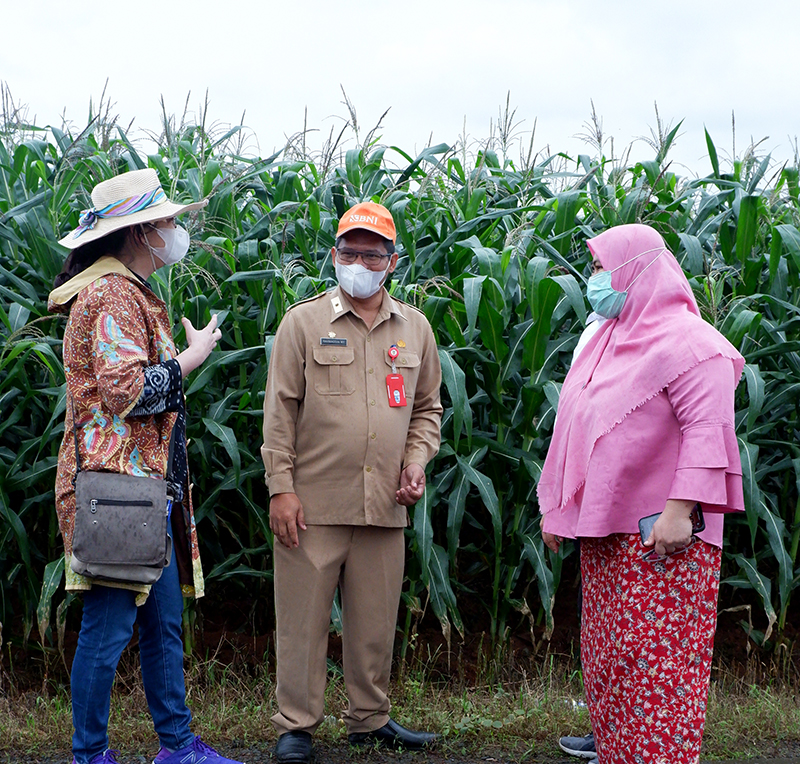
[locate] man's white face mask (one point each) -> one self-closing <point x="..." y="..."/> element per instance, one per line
<point x="358" y="281"/>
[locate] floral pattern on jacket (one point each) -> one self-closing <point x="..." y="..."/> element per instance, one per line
<point x="117" y="326"/>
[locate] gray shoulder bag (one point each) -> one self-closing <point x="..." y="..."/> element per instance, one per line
<point x="121" y="530"/>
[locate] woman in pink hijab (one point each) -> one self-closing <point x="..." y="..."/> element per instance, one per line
<point x="645" y="425"/>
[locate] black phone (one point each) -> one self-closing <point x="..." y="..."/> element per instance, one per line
<point x="646" y="523"/>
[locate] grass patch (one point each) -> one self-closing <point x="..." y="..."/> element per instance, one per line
<point x="743" y="719"/>
<point x="232" y="706"/>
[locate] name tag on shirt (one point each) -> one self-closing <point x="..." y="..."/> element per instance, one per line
<point x="396" y="389"/>
<point x="338" y="341"/>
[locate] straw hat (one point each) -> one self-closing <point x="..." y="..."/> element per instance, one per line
<point x="131" y="198"/>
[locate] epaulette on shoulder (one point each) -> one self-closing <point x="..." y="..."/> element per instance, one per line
<point x="309" y="299"/>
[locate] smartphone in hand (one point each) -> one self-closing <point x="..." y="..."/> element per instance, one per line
<point x="646" y="523"/>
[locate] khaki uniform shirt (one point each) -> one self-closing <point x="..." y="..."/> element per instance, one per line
<point x="330" y="435"/>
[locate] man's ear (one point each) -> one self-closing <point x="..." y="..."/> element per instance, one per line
<point x="333" y="254"/>
<point x="393" y="262"/>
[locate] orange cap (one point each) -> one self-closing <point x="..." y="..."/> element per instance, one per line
<point x="371" y="217"/>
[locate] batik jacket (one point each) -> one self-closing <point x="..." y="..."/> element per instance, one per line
<point x="122" y="381"/>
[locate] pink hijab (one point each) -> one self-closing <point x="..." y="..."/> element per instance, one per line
<point x="658" y="336"/>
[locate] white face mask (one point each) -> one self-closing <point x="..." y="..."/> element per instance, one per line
<point x="176" y="245"/>
<point x="358" y="281"/>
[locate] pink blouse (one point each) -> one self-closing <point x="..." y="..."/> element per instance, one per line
<point x="680" y="444"/>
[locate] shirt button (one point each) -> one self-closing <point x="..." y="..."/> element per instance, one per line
<point x="369" y="339"/>
<point x="402" y="360"/>
<point x="333" y="358"/>
<point x="372" y="403"/>
<point x="373" y="436"/>
<point x="369" y="469"/>
<point x="372" y="371"/>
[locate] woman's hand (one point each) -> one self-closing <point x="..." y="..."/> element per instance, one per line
<point x="551" y="541"/>
<point x="673" y="530"/>
<point x="201" y="342"/>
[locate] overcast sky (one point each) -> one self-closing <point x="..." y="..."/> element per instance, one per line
<point x="435" y="64"/>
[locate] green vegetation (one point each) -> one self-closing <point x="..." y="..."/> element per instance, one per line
<point x="520" y="722"/>
<point x="492" y="252"/>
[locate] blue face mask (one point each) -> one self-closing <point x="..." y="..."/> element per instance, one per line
<point x="604" y="299"/>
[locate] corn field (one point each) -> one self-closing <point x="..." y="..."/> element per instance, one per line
<point x="491" y="240"/>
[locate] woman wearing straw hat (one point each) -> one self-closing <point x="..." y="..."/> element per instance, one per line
<point x="125" y="409"/>
<point x="645" y="433"/>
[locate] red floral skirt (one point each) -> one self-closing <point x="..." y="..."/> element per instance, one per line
<point x="647" y="638"/>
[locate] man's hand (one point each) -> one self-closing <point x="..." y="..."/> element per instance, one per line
<point x="412" y="485"/>
<point x="673" y="530"/>
<point x="285" y="514"/>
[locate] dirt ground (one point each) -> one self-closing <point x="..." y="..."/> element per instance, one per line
<point x="785" y="753"/>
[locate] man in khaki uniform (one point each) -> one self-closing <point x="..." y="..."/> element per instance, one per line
<point x="351" y="418"/>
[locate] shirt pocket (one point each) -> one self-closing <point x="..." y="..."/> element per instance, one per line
<point x="333" y="371"/>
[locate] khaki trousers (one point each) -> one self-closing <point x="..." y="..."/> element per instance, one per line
<point x="366" y="562"/>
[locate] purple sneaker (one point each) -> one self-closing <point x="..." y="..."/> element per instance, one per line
<point x="108" y="756"/>
<point x="197" y="752"/>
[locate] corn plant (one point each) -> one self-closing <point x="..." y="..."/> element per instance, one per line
<point x="492" y="251"/>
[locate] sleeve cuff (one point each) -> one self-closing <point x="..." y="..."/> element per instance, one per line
<point x="709" y="468"/>
<point x="716" y="490"/>
<point x="416" y="457"/>
<point x="278" y="470"/>
<point x="710" y="446"/>
<point x="280" y="484"/>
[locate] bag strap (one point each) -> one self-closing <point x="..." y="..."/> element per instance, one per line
<point x="75" y="435"/>
<point x="78" y="455"/>
<point x="171" y="457"/>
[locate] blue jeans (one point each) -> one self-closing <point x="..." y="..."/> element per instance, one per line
<point x="106" y="629"/>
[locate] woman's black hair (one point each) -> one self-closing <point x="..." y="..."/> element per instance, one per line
<point x="88" y="254"/>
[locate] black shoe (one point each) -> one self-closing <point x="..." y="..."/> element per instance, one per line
<point x="394" y="735"/>
<point x="582" y="747"/>
<point x="294" y="748"/>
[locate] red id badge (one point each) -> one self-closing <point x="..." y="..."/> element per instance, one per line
<point x="396" y="389"/>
